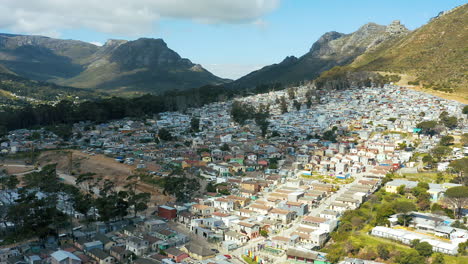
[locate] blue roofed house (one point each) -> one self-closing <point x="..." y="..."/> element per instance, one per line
<point x="64" y="257"/>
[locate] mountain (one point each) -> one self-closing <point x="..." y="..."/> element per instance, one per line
<point x="143" y="65"/>
<point x="332" y="49"/>
<point x="434" y="55"/>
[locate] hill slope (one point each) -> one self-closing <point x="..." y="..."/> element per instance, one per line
<point x="144" y="65"/>
<point x="435" y="55"/>
<point x="23" y="89"/>
<point x="332" y="49"/>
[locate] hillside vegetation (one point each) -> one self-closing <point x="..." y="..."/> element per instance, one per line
<point x="434" y="54"/>
<point x="41" y="91"/>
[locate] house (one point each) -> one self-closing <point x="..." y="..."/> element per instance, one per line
<point x="91" y="245"/>
<point x="317" y="238"/>
<point x="259" y="208"/>
<point x="314" y="222"/>
<point x="154" y="225"/>
<point x="106" y="242"/>
<point x="305" y="256"/>
<point x="176" y="254"/>
<point x="392" y="186"/>
<point x="101" y="256"/>
<point x="137" y="245"/>
<point x="236" y="237"/>
<point x="6" y="253"/>
<point x="339" y="207"/>
<point x="299" y="208"/>
<point x="202" y="210"/>
<point x="198" y="252"/>
<point x="406" y="236"/>
<point x="64" y="257"/>
<point x="165" y="234"/>
<point x="282" y="215"/>
<point x="252" y="230"/>
<point x="224" y="204"/>
<point x="119" y="253"/>
<point x="167" y="212"/>
<point x="250" y="187"/>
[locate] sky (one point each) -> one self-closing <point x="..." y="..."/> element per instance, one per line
<point x="230" y="38"/>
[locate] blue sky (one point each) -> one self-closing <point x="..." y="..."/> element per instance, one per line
<point x="229" y="41"/>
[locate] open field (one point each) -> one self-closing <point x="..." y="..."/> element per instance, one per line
<point x="104" y="168"/>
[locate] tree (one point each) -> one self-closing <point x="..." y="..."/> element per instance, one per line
<point x="446" y="140"/>
<point x="329" y="135"/>
<point x="462" y="248"/>
<point x="195" y="124"/>
<point x="458" y="198"/>
<point x="261" y="119"/>
<point x="438" y="258"/>
<point x="410" y="258"/>
<point x="210" y="187"/>
<point x="460" y="166"/>
<point x="424" y="249"/>
<point x="427" y="127"/>
<point x="297" y="105"/>
<point x="283" y="105"/>
<point x="383" y="251"/>
<point x="464" y="139"/>
<point x="225" y="147"/>
<point x="335" y="255"/>
<point x="138" y="201"/>
<point x="404" y="208"/>
<point x="428" y="159"/>
<point x="9" y="183"/>
<point x="241" y="112"/>
<point x="465" y="110"/>
<point x="165" y="135"/>
<point x="264" y="233"/>
<point x="423" y="185"/>
<point x="401" y="189"/>
<point x="309" y="102"/>
<point x="440" y="152"/>
<point x="450" y="122"/>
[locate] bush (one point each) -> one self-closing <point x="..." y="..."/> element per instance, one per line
<point x="383" y="252"/>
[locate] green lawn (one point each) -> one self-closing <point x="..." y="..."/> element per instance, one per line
<point x="429" y="177"/>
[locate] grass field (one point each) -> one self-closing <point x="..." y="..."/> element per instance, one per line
<point x="429" y="177"/>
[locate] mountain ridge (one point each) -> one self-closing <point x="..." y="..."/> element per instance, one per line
<point x="142" y="65"/>
<point x="331" y="49"/>
<point x="433" y="55"/>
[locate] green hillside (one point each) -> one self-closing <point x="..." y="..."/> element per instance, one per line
<point x="19" y="87"/>
<point x="435" y="55"/>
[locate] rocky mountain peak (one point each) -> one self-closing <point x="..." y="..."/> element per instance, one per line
<point x="396" y="28"/>
<point x="289" y="59"/>
<point x="325" y="38"/>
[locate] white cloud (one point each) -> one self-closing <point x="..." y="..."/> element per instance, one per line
<point x="231" y="70"/>
<point x="123" y="17"/>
